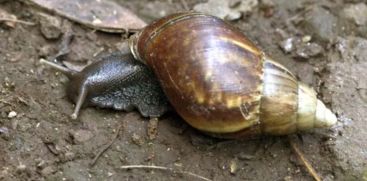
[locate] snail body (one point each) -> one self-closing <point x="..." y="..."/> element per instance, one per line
<point x="115" y="81"/>
<point x="221" y="83"/>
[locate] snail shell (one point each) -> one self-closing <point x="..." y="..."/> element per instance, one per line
<point x="221" y="83"/>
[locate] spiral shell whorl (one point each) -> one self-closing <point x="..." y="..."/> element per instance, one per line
<point x="324" y="117"/>
<point x="288" y="105"/>
<point x="221" y="83"/>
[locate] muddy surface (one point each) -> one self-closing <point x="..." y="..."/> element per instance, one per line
<point x="323" y="42"/>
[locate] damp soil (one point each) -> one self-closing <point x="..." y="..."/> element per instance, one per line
<point x="322" y="42"/>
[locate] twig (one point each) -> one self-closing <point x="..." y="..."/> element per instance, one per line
<point x="95" y="159"/>
<point x="7" y="103"/>
<point x="17" y="21"/>
<point x="163" y="168"/>
<point x="304" y="161"/>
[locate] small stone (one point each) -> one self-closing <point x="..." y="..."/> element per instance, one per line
<point x="233" y="167"/>
<point x="4" y="130"/>
<point x="45" y="51"/>
<point x="40" y="163"/>
<point x="21" y="167"/>
<point x="12" y="114"/>
<point x="321" y="23"/>
<point x="152" y="128"/>
<point x="68" y="156"/>
<point x="4" y="133"/>
<point x="137" y="139"/>
<point x="306" y="39"/>
<point x="309" y="50"/>
<point x="80" y="136"/>
<point x="50" y="26"/>
<point x="287" y="45"/>
<point x="48" y="170"/>
<point x="357" y="13"/>
<point x="110" y="174"/>
<point x="9" y="83"/>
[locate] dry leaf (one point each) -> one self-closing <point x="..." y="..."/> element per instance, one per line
<point x="102" y="15"/>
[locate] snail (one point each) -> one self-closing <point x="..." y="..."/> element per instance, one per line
<point x="217" y="80"/>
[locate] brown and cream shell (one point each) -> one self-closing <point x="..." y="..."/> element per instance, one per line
<point x="221" y="83"/>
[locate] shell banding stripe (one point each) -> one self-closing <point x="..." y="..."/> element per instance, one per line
<point x="279" y="103"/>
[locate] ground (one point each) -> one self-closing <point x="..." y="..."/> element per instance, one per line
<point x="322" y="42"/>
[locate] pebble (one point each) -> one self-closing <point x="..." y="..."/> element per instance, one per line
<point x="21" y="167"/>
<point x="137" y="139"/>
<point x="68" y="156"/>
<point x="50" y="26"/>
<point x="233" y="167"/>
<point x="48" y="170"/>
<point x="153" y="128"/>
<point x="306" y="39"/>
<point x="287" y="45"/>
<point x="357" y="13"/>
<point x="12" y="114"/>
<point x="45" y="50"/>
<point x="321" y="23"/>
<point x="4" y="130"/>
<point x="80" y="136"/>
<point x="309" y="50"/>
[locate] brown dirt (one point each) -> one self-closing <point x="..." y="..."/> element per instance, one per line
<point x="42" y="143"/>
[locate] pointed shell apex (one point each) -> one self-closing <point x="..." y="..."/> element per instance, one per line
<point x="324" y="117"/>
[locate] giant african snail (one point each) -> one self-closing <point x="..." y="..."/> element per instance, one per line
<point x="213" y="76"/>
